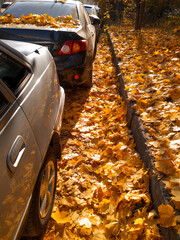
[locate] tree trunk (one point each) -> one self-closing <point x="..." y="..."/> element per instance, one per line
<point x="140" y="5"/>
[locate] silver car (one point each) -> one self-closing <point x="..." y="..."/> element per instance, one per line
<point x="31" y="107"/>
<point x="92" y="12"/>
<point x="4" y="6"/>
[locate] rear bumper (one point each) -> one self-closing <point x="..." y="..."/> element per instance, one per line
<point x="73" y="76"/>
<point x="73" y="69"/>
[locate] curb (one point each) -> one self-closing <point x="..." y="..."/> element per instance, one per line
<point x="158" y="193"/>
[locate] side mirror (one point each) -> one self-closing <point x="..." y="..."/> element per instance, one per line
<point x="94" y="19"/>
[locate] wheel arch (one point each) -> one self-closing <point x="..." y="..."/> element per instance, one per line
<point x="56" y="144"/>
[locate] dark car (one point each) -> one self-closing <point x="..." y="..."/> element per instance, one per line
<point x="31" y="107"/>
<point x="73" y="49"/>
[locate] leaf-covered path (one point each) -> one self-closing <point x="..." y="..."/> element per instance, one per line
<point x="102" y="188"/>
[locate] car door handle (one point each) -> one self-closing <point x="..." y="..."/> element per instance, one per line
<point x="15" y="153"/>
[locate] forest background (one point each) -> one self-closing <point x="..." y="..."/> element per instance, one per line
<point x="142" y="12"/>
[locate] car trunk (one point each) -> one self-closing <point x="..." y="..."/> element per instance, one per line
<point x="49" y="37"/>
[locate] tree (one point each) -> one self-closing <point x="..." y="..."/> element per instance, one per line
<point x="116" y="9"/>
<point x="140" y="6"/>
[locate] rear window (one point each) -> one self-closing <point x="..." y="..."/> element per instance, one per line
<point x="12" y="73"/>
<point x="50" y="8"/>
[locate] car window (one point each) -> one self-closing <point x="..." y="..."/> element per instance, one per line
<point x="50" y="8"/>
<point x="12" y="73"/>
<point x="6" y="4"/>
<point x="90" y="10"/>
<point x="3" y="103"/>
<point x="86" y="16"/>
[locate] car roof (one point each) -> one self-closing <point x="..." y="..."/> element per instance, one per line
<point x="20" y="49"/>
<point x="6" y="3"/>
<point x="24" y="48"/>
<point x="88" y="5"/>
<point x="58" y="1"/>
<point x="77" y="3"/>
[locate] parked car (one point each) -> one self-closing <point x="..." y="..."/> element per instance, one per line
<point x="91" y="9"/>
<point x="73" y="49"/>
<point x="31" y="108"/>
<point x="95" y="20"/>
<point x="4" y="6"/>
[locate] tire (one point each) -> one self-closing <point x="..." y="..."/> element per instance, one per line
<point x="43" y="197"/>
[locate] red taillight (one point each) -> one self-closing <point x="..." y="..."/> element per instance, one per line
<point x="73" y="47"/>
<point x="76" y="76"/>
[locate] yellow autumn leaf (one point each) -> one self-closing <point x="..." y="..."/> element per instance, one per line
<point x="85" y="231"/>
<point x="156" y="52"/>
<point x="175" y="190"/>
<point x="167" y="217"/>
<point x="134" y="91"/>
<point x="139" y="221"/>
<point x="104" y="206"/>
<point x="109" y="69"/>
<point x="135" y="232"/>
<point x="108" y="152"/>
<point x="139" y="57"/>
<point x="98" y="234"/>
<point x="61" y="217"/>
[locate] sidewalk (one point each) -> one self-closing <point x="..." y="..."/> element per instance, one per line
<point x="157" y="187"/>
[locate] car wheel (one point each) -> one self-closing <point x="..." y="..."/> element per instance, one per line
<point x="43" y="197"/>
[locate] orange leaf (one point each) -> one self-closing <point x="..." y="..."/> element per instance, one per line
<point x="167" y="218"/>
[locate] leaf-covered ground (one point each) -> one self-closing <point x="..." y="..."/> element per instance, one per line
<point x="150" y="64"/>
<point x="102" y="187"/>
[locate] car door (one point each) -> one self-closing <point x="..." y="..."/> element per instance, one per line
<point x="18" y="153"/>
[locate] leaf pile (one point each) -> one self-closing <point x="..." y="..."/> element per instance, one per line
<point x="40" y="21"/>
<point x="150" y="64"/>
<point x="102" y="189"/>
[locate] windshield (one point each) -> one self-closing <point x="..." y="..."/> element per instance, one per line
<point x="50" y="8"/>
